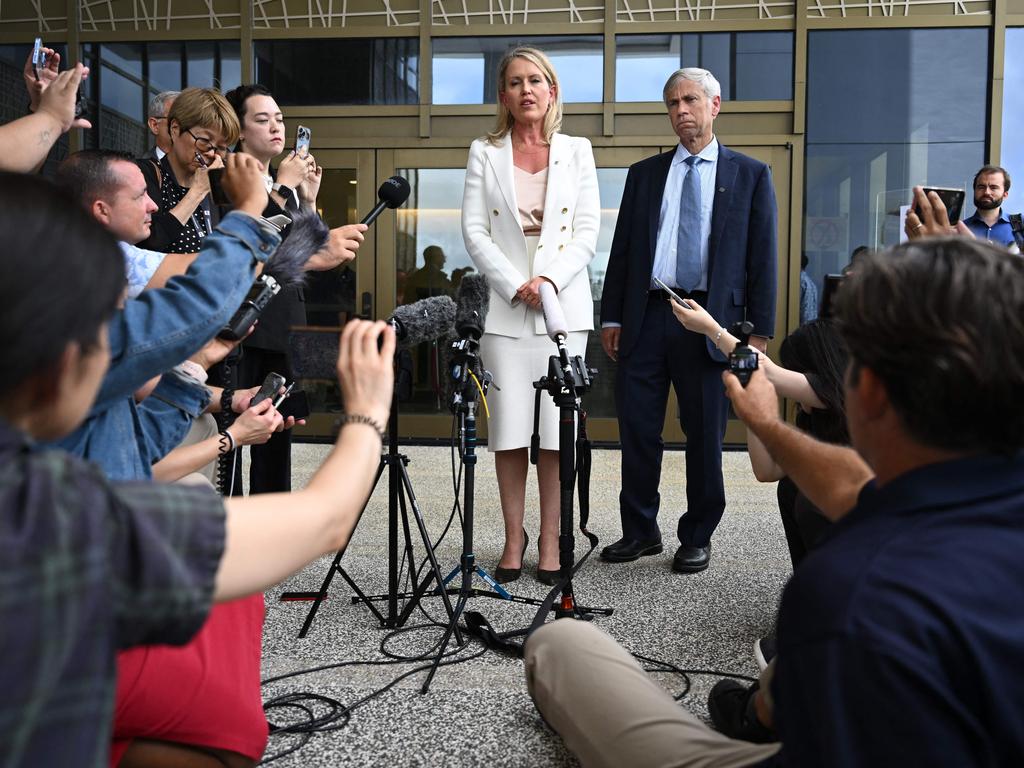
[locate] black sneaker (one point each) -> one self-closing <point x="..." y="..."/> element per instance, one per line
<point x="731" y="706"/>
<point x="764" y="651"/>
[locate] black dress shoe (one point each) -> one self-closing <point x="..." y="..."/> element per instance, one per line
<point x="627" y="550"/>
<point x="691" y="559"/>
<point x="734" y="714"/>
<point x="505" y="575"/>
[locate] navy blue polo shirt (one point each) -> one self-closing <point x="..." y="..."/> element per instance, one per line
<point x="901" y="637"/>
<point x="1000" y="234"/>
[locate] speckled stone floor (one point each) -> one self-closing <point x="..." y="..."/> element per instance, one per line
<point x="478" y="713"/>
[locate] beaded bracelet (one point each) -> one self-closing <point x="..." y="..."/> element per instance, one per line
<point x="227" y="441"/>
<point x="358" y="418"/>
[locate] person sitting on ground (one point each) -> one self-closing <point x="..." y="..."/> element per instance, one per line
<point x="90" y="566"/>
<point x="899" y="635"/>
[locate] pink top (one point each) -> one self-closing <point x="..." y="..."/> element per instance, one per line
<point x="530" y="191"/>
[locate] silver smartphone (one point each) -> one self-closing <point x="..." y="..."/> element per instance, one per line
<point x="682" y="302"/>
<point x="303" y="135"/>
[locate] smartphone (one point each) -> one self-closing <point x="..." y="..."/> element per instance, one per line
<point x="832" y="283"/>
<point x="270" y="389"/>
<point x="683" y="302"/>
<point x="38" y="57"/>
<point x="953" y="199"/>
<point x="302" y="137"/>
<point x="217" y="193"/>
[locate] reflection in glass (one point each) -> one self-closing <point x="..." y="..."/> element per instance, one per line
<point x="124" y="56"/>
<point x="865" y="142"/>
<point x="165" y="66"/>
<point x="201" y="57"/>
<point x="751" y="66"/>
<point x="376" y="70"/>
<point x="230" y="65"/>
<point x="431" y="259"/>
<point x="1012" y="158"/>
<point x="465" y="69"/>
<point x="120" y="94"/>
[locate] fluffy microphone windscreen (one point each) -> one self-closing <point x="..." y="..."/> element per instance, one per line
<point x="314" y="352"/>
<point x="426" y="320"/>
<point x="306" y="235"/>
<point x="394" y="191"/>
<point x="554" y="317"/>
<point x="473" y="300"/>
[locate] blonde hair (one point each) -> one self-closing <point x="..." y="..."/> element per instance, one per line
<point x="504" y="121"/>
<point x="205" y="108"/>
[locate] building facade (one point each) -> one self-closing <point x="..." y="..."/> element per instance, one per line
<point x="850" y="103"/>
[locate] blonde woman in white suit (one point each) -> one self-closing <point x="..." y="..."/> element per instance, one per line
<point x="531" y="213"/>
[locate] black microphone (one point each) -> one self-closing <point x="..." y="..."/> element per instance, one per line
<point x="426" y="320"/>
<point x="392" y="193"/>
<point x="473" y="300"/>
<point x="314" y="350"/>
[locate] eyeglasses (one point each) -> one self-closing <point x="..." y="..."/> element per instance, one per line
<point x="205" y="145"/>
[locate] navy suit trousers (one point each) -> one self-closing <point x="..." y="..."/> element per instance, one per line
<point x="665" y="354"/>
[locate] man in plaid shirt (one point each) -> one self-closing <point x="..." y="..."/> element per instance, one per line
<point x="88" y="567"/>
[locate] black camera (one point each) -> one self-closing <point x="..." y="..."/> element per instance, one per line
<point x="262" y="291"/>
<point x="743" y="359"/>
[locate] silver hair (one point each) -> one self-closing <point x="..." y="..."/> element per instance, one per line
<point x="702" y="77"/>
<point x="158" y="104"/>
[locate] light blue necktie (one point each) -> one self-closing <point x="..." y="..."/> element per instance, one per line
<point x="688" y="242"/>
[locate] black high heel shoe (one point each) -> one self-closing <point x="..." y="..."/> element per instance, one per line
<point x="549" y="578"/>
<point x="505" y="575"/>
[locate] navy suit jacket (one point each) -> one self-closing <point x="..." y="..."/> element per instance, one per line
<point x="741" y="252"/>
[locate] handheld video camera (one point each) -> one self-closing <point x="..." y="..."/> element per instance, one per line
<point x="262" y="291"/>
<point x="743" y="359"/>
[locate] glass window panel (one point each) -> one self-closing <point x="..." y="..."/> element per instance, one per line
<point x="751" y="66"/>
<point x="125" y="56"/>
<point x="1013" y="116"/>
<point x="465" y="69"/>
<point x="165" y="66"/>
<point x="376" y="71"/>
<point x="867" y="145"/>
<point x="764" y="66"/>
<point x="121" y="94"/>
<point x="230" y="65"/>
<point x="201" y="57"/>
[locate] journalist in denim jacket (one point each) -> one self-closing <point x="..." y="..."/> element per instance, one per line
<point x="154" y="333"/>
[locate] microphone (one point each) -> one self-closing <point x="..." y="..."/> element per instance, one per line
<point x="392" y="193"/>
<point x="426" y="320"/>
<point x="473" y="299"/>
<point x="554" y="317"/>
<point x="314" y="350"/>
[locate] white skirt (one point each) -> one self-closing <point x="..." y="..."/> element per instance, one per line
<point x="515" y="365"/>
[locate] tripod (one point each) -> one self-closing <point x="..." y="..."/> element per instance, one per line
<point x="466" y="407"/>
<point x="400" y="498"/>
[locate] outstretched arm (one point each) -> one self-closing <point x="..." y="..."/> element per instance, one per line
<point x="264" y="546"/>
<point x="830" y="476"/>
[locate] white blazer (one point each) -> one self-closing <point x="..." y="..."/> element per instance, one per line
<point x="568" y="238"/>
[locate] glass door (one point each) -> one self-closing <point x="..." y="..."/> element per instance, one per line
<point x="347" y="193"/>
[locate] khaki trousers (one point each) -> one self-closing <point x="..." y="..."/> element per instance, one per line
<point x="609" y="712"/>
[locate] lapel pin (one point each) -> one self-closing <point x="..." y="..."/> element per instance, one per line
<point x="721" y="189"/>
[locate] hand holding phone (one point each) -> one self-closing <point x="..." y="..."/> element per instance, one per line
<point x="952" y="199"/>
<point x="679" y="299"/>
<point x="270" y="389"/>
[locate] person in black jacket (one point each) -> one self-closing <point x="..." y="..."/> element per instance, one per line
<point x="202" y="125"/>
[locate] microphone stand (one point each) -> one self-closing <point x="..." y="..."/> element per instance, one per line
<point x="400" y="497"/>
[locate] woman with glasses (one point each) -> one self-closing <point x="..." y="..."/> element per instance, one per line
<point x="201" y="124"/>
